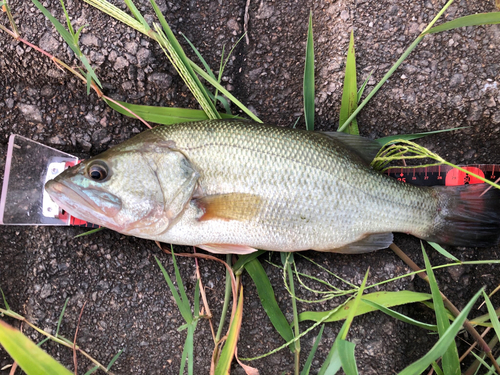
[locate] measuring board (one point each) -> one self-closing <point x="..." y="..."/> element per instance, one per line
<point x="444" y="175"/>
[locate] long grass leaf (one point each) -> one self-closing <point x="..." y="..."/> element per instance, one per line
<point x="363" y="86"/>
<point x="346" y="354"/>
<point x="27" y="354"/>
<point x="443" y="252"/>
<point x="350" y="91"/>
<point x="401" y="317"/>
<point x="386" y="299"/>
<point x="451" y="363"/>
<point x="114" y="359"/>
<point x="115" y="12"/>
<point x="138" y="16"/>
<point x="471" y="20"/>
<point x="408" y="137"/>
<point x="443" y="343"/>
<point x="227" y="354"/>
<point x="180" y="285"/>
<point x="61" y="316"/>
<point x="309" y="90"/>
<point x="333" y="360"/>
<point x="307" y="366"/>
<point x="184" y="310"/>
<point x="70" y="40"/>
<point x="492" y="314"/>
<point x="200" y="57"/>
<point x="163" y="115"/>
<point x="393" y="68"/>
<point x="184" y="63"/>
<point x="268" y="300"/>
<point x="242" y="261"/>
<point x="4" y="300"/>
<point x="230" y="96"/>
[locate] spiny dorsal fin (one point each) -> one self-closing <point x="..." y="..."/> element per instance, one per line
<point x="366" y="148"/>
<point x="233" y="206"/>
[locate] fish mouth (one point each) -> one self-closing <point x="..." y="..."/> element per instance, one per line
<point x="88" y="204"/>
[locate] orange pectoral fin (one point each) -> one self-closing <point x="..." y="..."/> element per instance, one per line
<point x="233" y="206"/>
<point x="227" y="248"/>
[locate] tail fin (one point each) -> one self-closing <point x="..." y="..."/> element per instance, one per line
<point x="467" y="216"/>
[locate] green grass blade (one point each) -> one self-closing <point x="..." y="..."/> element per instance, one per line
<point x="114" y="359"/>
<point x="332" y="362"/>
<point x="163" y="115"/>
<point x="471" y="20"/>
<point x="138" y="16"/>
<point x="180" y="286"/>
<point x="401" y="317"/>
<point x="68" y="21"/>
<point x="443" y="343"/>
<point x="346" y="354"/>
<point x="408" y="137"/>
<point x="350" y="91"/>
<point x="27" y="354"/>
<point x="393" y="68"/>
<point x="436" y="368"/>
<point x="386" y="299"/>
<point x="189" y="77"/>
<point x="363" y="86"/>
<point x="307" y="366"/>
<point x="4" y="300"/>
<point x="230" y="96"/>
<point x="89" y="232"/>
<point x="451" y="363"/>
<point x="492" y="314"/>
<point x="68" y="38"/>
<point x="334" y="358"/>
<point x="309" y="89"/>
<point x="242" y="261"/>
<point x="227" y="353"/>
<point x="115" y="12"/>
<point x="61" y="316"/>
<point x="92" y="370"/>
<point x="71" y="42"/>
<point x="353" y="310"/>
<point x="200" y="57"/>
<point x="184" y="310"/>
<point x="268" y="300"/>
<point x="443" y="252"/>
<point x="189" y="344"/>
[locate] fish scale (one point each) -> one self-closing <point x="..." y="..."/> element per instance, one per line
<point x="237" y="186"/>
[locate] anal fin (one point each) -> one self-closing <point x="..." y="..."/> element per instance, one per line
<point x="227" y="248"/>
<point x="366" y="244"/>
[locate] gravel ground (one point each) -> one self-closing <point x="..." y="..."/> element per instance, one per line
<point x="450" y="80"/>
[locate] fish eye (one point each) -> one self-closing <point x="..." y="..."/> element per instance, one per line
<point x="98" y="171"/>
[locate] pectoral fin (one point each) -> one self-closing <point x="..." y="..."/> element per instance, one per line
<point x="233" y="206"/>
<point x="368" y="243"/>
<point x="227" y="248"/>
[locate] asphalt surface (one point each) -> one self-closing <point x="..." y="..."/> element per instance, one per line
<point x="450" y="80"/>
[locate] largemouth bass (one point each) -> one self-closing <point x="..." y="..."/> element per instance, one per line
<point x="235" y="186"/>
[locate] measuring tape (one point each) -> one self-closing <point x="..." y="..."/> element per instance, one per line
<point x="444" y="175"/>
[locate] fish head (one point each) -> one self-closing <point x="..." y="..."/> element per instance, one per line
<point x="136" y="189"/>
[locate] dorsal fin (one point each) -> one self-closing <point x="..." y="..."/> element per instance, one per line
<point x="366" y="148"/>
